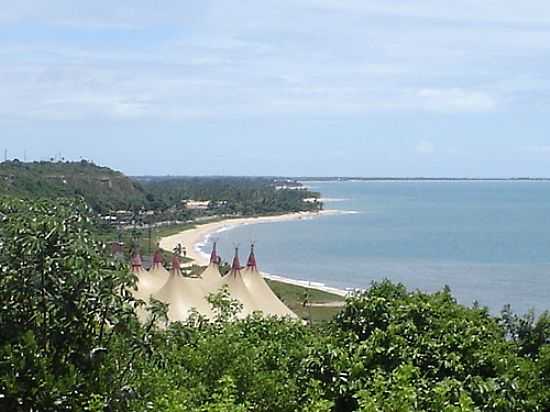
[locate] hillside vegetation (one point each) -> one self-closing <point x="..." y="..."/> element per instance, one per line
<point x="103" y="189"/>
<point x="107" y="190"/>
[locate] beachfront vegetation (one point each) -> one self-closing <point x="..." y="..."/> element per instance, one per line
<point x="241" y="196"/>
<point x="70" y="341"/>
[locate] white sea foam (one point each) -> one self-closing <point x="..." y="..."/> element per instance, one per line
<point x="332" y="199"/>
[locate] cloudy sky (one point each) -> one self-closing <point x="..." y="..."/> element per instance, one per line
<point x="280" y="87"/>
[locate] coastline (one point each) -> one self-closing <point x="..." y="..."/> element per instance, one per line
<point x="194" y="239"/>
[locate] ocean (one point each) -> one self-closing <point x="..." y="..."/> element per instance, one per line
<point x="489" y="241"/>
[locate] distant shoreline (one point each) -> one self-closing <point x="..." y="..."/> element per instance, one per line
<point x="347" y="178"/>
<point x="195" y="238"/>
<point x="421" y="179"/>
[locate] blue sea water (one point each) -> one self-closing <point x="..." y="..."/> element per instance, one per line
<point x="489" y="241"/>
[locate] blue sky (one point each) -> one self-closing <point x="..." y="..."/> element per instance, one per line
<point x="280" y="87"/>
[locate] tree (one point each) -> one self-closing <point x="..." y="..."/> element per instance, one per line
<point x="65" y="311"/>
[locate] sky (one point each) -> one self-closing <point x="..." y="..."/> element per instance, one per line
<point x="280" y="87"/>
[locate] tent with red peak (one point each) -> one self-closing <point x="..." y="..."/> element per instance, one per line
<point x="211" y="276"/>
<point x="148" y="282"/>
<point x="266" y="301"/>
<point x="183" y="295"/>
<point x="237" y="289"/>
<point x="158" y="269"/>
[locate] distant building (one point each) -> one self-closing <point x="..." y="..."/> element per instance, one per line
<point x="291" y="187"/>
<point x="311" y="200"/>
<point x="196" y="204"/>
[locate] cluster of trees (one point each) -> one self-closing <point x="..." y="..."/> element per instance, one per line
<point x="70" y="341"/>
<point x="243" y="196"/>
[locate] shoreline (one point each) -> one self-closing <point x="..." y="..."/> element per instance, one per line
<point x="194" y="239"/>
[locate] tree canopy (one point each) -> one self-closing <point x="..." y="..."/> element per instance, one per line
<point x="106" y="190"/>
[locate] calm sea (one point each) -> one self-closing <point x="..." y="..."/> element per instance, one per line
<point x="489" y="241"/>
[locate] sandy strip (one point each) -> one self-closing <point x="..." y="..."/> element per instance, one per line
<point x="192" y="239"/>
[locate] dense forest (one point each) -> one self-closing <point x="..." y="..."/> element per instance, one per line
<point x="106" y="190"/>
<point x="244" y="196"/>
<point x="70" y="341"/>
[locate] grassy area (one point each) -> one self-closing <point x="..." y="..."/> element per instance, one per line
<point x="293" y="296"/>
<point x="296" y="293"/>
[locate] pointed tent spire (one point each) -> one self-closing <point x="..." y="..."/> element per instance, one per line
<point x="214" y="255"/>
<point x="252" y="259"/>
<point x="176" y="264"/>
<point x="157" y="258"/>
<point x="236" y="267"/>
<point x="136" y="262"/>
<point x="116" y="248"/>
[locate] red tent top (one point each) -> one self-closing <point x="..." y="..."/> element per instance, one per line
<point x="236" y="267"/>
<point x="252" y="259"/>
<point x="136" y="262"/>
<point x="214" y="255"/>
<point x="176" y="264"/>
<point x="157" y="258"/>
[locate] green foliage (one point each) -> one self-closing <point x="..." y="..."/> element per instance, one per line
<point x="242" y="196"/>
<point x="412" y="351"/>
<point x="225" y="309"/>
<point x="64" y="311"/>
<point x="527" y="332"/>
<point x="103" y="189"/>
<point x="70" y="341"/>
<point x="106" y="190"/>
<point x="256" y="363"/>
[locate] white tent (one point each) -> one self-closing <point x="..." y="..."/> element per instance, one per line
<point x="182" y="294"/>
<point x="149" y="282"/>
<point x="211" y="276"/>
<point x="260" y="291"/>
<point x="237" y="289"/>
<point x="157" y="270"/>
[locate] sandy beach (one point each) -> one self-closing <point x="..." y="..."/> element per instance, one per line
<point x="192" y="239"/>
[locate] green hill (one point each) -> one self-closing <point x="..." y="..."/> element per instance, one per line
<point x="104" y="189"/>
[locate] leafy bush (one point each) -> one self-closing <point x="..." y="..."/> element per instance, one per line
<point x="413" y="351"/>
<point x="64" y="312"/>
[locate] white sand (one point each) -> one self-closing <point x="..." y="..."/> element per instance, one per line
<point x="192" y="239"/>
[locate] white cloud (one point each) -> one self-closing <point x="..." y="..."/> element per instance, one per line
<point x="533" y="11"/>
<point x="425" y="147"/>
<point x="538" y="149"/>
<point x="456" y="100"/>
<point x="278" y="56"/>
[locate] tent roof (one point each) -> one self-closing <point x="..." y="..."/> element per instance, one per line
<point x="136" y="262"/>
<point x="214" y="254"/>
<point x="237" y="288"/>
<point x="265" y="298"/>
<point x="251" y="264"/>
<point x="157" y="257"/>
<point x="211" y="276"/>
<point x="183" y="294"/>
